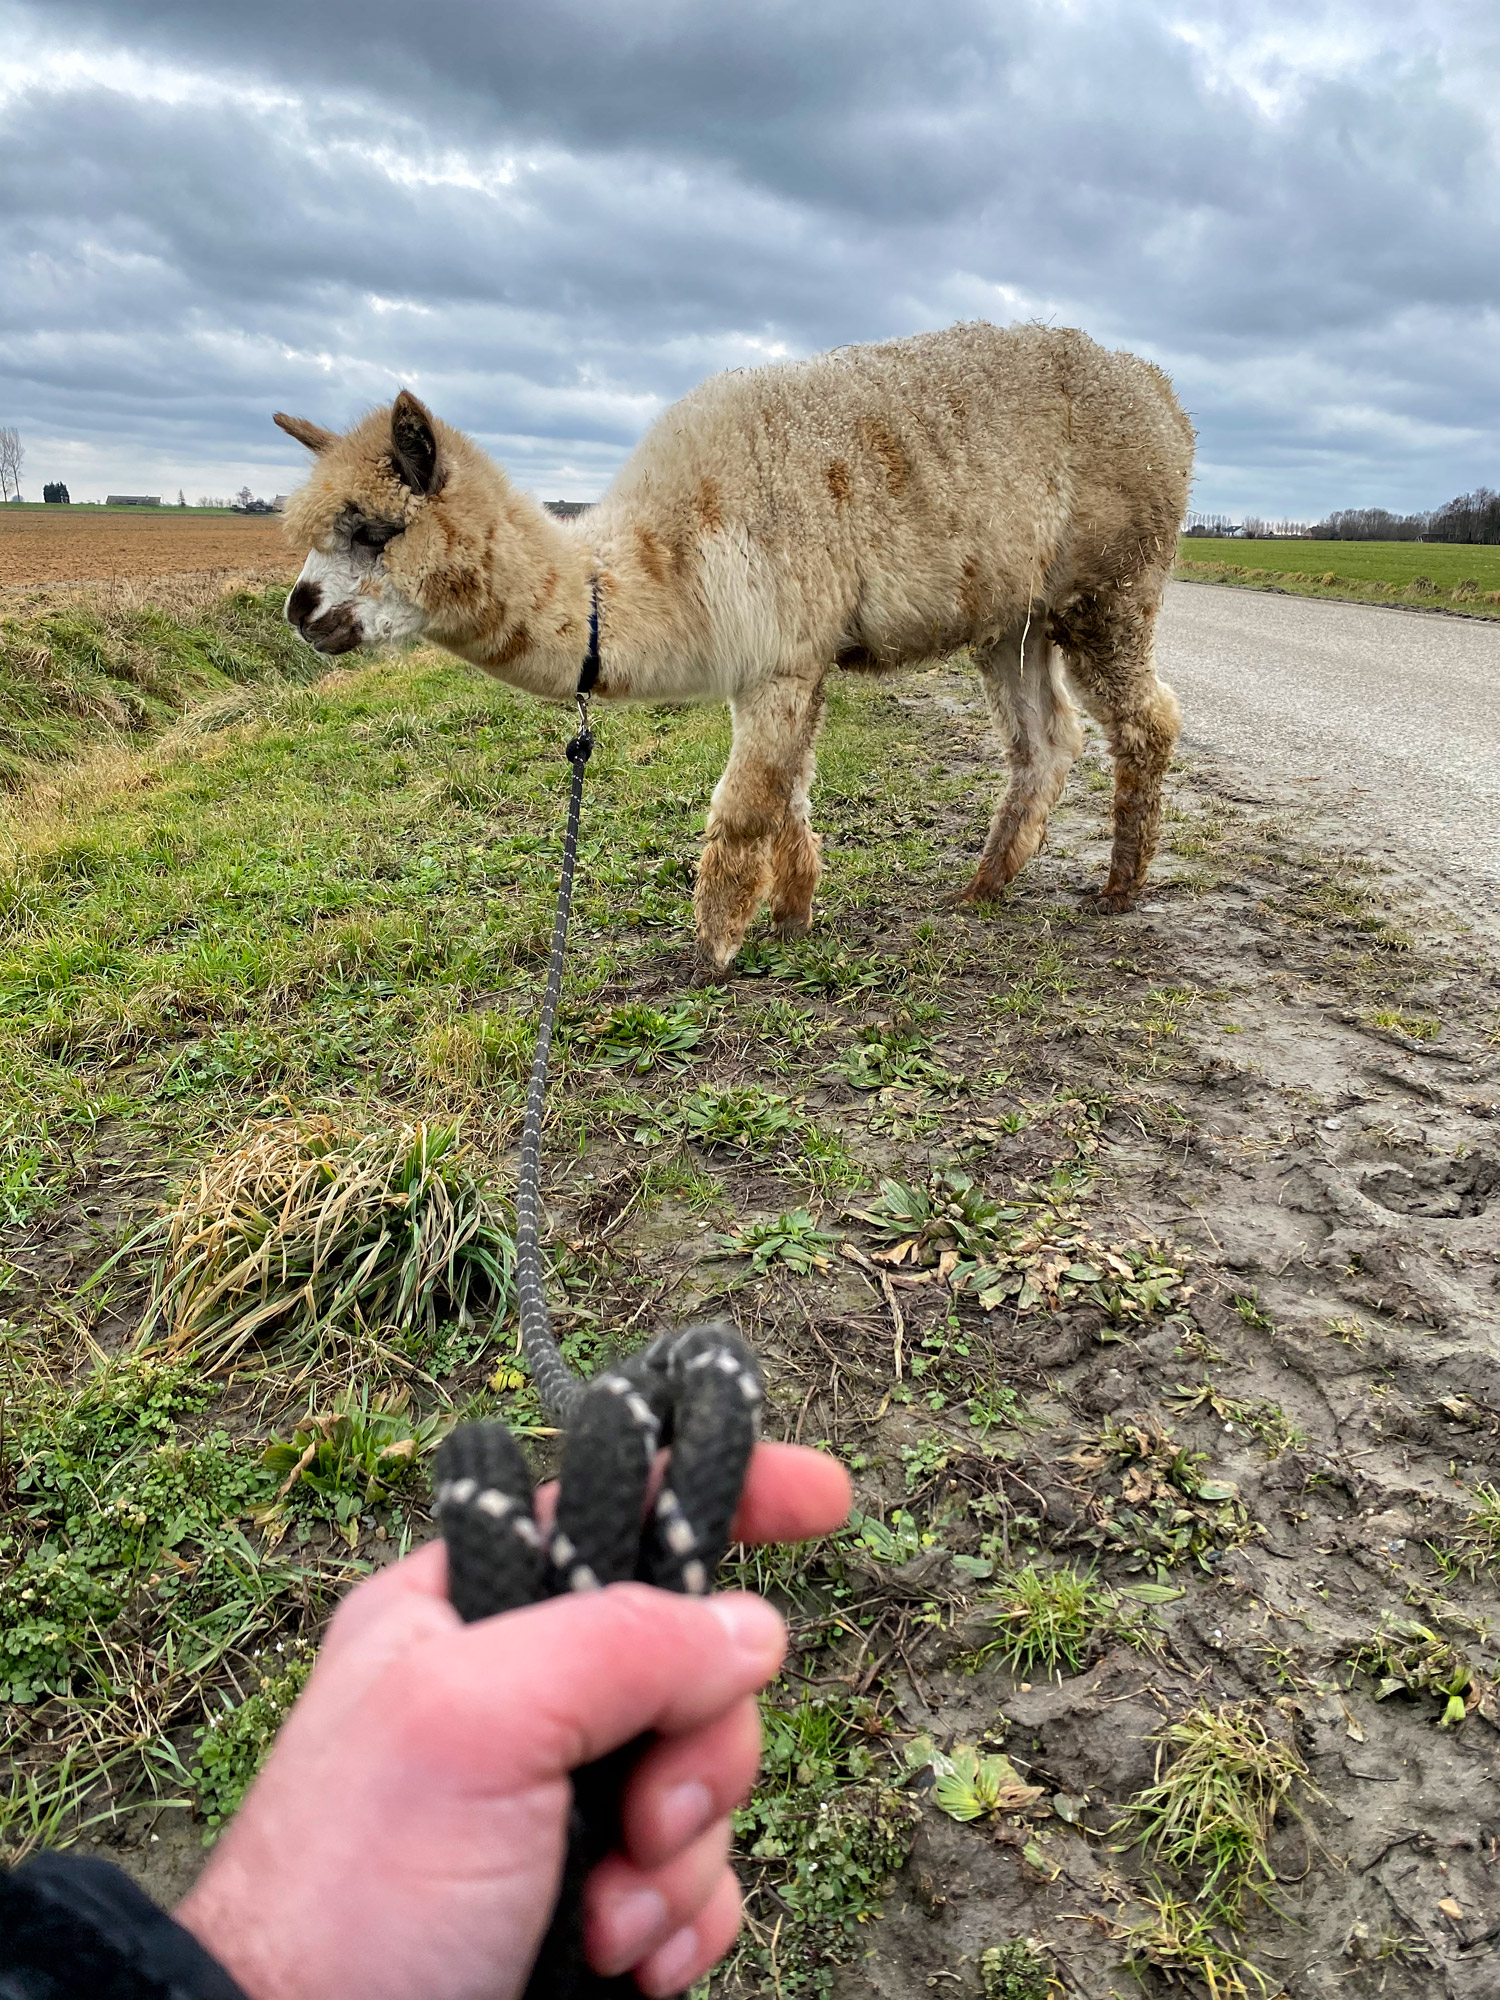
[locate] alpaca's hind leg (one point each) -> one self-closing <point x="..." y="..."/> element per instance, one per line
<point x="1107" y="643"/>
<point x="759" y="842"/>
<point x="1038" y="725"/>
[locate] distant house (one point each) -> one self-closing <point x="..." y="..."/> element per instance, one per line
<point x="566" y="509"/>
<point x="278" y="505"/>
<point x="133" y="500"/>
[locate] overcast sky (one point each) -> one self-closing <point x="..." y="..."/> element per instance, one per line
<point x="551" y="219"/>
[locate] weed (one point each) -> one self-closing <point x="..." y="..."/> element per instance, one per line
<point x="1019" y="1970"/>
<point x="1266" y="1421"/>
<point x="968" y="1784"/>
<point x="304" y="1225"/>
<point x="1165" y="1510"/>
<point x="108" y="1492"/>
<point x="1036" y="1258"/>
<point x="794" y="1239"/>
<point x="1405" y="1657"/>
<point x="1046" y="1621"/>
<point x="882" y="1056"/>
<point x="995" y="1407"/>
<point x="826" y="1832"/>
<point x="641" y="1038"/>
<point x="825" y="969"/>
<point x="1183" y="1941"/>
<point x="756" y="1122"/>
<point x="349" y="1460"/>
<point x="237" y="1738"/>
<point x="1248" y="1306"/>
<point x="1213" y="1808"/>
<point x="897" y="1541"/>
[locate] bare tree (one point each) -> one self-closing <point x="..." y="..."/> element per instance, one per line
<point x="12" y="451"/>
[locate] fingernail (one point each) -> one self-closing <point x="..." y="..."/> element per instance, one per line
<point x="669" y="1968"/>
<point x="634" y="1921"/>
<point x="753" y="1627"/>
<point x="685" y="1811"/>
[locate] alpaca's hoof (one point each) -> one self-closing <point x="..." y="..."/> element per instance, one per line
<point x="711" y="962"/>
<point x="979" y="890"/>
<point x="790" y="927"/>
<point x="1115" y="902"/>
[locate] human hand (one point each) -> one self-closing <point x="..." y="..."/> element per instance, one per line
<point x="407" y="1833"/>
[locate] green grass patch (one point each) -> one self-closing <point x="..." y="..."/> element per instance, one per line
<point x="1437" y="576"/>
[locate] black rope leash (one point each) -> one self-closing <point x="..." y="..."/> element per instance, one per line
<point x="696" y="1391"/>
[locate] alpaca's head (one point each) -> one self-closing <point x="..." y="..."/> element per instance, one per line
<point x="393" y="519"/>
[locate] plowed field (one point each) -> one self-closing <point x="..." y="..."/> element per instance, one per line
<point x="75" y="545"/>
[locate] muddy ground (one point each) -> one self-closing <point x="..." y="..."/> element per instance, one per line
<point x="1338" y="1183"/>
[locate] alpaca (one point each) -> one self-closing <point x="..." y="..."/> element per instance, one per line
<point x="1014" y="491"/>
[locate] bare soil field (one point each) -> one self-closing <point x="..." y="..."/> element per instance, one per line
<point x="75" y="545"/>
<point x="1142" y="1268"/>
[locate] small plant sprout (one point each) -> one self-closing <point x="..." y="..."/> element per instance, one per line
<point x="968" y="1784"/>
<point x="1020" y="1970"/>
<point x="794" y="1240"/>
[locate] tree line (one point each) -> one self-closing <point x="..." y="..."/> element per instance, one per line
<point x="1472" y="517"/>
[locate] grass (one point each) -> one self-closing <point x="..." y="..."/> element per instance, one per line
<point x="1046" y="1621"/>
<point x="304" y="1232"/>
<point x="262" y="959"/>
<point x="1185" y="1944"/>
<point x="85" y="672"/>
<point x="1444" y="576"/>
<point x="1211" y="1810"/>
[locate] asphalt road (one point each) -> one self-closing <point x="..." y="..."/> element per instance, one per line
<point x="1390" y="717"/>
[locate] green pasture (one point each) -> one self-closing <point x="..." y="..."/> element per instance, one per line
<point x="1436" y="576"/>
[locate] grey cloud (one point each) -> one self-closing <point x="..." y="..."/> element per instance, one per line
<point x="694" y="187"/>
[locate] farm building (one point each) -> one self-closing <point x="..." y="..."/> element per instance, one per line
<point x="133" y="500"/>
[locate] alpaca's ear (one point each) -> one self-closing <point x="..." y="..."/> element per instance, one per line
<point x="312" y="435"/>
<point x="414" y="444"/>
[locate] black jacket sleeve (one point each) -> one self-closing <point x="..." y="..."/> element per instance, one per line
<point x="75" y="1928"/>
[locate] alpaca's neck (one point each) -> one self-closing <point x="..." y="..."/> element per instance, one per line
<point x="532" y="627"/>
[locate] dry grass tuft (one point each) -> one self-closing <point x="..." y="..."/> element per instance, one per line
<point x="1215" y="1805"/>
<point x="311" y="1232"/>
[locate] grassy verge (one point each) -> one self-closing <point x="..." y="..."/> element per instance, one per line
<point x="99" y="671"/>
<point x="1425" y="575"/>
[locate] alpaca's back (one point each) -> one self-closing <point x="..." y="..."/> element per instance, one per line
<point x="911" y="494"/>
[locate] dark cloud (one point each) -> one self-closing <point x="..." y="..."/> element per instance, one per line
<point x="553" y="220"/>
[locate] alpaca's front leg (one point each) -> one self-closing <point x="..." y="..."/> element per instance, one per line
<point x="759" y="842"/>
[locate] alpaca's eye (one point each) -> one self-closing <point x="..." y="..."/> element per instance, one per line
<point x="374" y="535"/>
